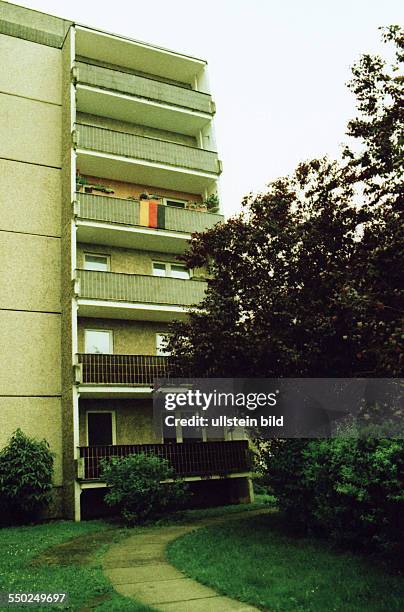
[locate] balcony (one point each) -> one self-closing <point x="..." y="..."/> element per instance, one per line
<point x="115" y="221"/>
<point x="135" y="296"/>
<point x="121" y="95"/>
<point x="199" y="459"/>
<point x="146" y="148"/>
<point x="143" y="160"/>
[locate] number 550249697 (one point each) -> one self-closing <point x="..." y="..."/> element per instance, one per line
<point x="10" y="599"/>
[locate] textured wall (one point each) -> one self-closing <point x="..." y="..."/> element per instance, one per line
<point x="29" y="198"/>
<point x="134" y="420"/>
<point x="30" y="207"/>
<point x="69" y="399"/>
<point x="124" y="260"/>
<point x="130" y="337"/>
<point x="30" y="130"/>
<point x="32" y="25"/>
<point x="38" y="73"/>
<point x="30" y="353"/>
<point x="124" y="190"/>
<point x="30" y="269"/>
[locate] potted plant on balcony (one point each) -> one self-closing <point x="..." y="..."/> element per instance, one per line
<point x="81" y="181"/>
<point x="212" y="203"/>
<point x="198" y="206"/>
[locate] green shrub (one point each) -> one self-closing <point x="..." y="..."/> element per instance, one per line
<point x="283" y="461"/>
<point x="350" y="489"/>
<point x="136" y="489"/>
<point x="26" y="469"/>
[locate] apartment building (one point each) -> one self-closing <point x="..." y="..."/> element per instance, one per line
<point x="108" y="163"/>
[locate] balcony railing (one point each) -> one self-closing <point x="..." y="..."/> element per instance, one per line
<point x="145" y="148"/>
<point x="127" y="212"/>
<point x="187" y="459"/>
<point x="102" y="369"/>
<point x="143" y="87"/>
<point x="140" y="288"/>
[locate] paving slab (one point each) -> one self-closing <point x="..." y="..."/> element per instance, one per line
<point x="213" y="604"/>
<point x="143" y="573"/>
<point x="132" y="562"/>
<point x="152" y="538"/>
<point x="147" y="550"/>
<point x="166" y="591"/>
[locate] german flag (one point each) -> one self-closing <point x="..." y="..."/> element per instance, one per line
<point x="152" y="214"/>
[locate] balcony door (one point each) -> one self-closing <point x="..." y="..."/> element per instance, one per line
<point x="101" y="430"/>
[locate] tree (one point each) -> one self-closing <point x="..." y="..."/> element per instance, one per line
<point x="307" y="280"/>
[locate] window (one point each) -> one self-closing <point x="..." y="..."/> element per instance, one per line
<point x="101" y="428"/>
<point x="159" y="269"/>
<point x="179" y="271"/>
<point x="170" y="269"/>
<point x="161" y="344"/>
<point x="92" y="261"/>
<point x="174" y="202"/>
<point x="98" y="341"/>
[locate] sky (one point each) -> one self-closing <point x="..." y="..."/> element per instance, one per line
<point x="278" y="70"/>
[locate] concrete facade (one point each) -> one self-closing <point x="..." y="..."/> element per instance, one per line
<point x="42" y="320"/>
<point x="30" y="204"/>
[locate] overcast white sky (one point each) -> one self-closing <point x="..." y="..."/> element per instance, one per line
<point x="278" y="69"/>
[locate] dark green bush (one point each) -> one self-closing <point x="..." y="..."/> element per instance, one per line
<point x="136" y="489"/>
<point x="350" y="489"/>
<point x="26" y="469"/>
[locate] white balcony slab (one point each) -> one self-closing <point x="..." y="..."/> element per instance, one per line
<point x="114" y="391"/>
<point x="137" y="55"/>
<point x="142" y="238"/>
<point x="131" y="170"/>
<point x="133" y="311"/>
<point x="124" y="107"/>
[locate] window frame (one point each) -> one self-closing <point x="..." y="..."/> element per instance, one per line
<point x="167" y="265"/>
<point x="106" y="255"/>
<point x="113" y="423"/>
<point x="177" y="200"/>
<point x="110" y="332"/>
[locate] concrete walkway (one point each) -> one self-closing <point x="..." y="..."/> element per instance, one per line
<point x="137" y="567"/>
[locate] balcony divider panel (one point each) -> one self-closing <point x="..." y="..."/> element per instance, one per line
<point x="150" y="89"/>
<point x="145" y="148"/>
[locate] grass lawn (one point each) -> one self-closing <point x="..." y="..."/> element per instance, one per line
<point x="64" y="556"/>
<point x="255" y="561"/>
<point x="27" y="566"/>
